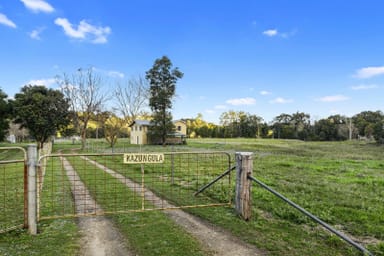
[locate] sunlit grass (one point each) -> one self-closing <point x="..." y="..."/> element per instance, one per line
<point x="341" y="182"/>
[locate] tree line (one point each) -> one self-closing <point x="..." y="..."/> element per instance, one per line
<point x="367" y="125"/>
<point x="42" y="112"/>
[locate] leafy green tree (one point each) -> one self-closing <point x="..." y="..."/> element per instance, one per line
<point x="112" y="127"/>
<point x="378" y="132"/>
<point x="41" y="110"/>
<point x="250" y="125"/>
<point x="282" y="126"/>
<point x="230" y="121"/>
<point x="295" y="126"/>
<point x="162" y="80"/>
<point x="326" y="130"/>
<point x="368" y="123"/>
<point x="332" y="128"/>
<point x="240" y="124"/>
<point x="4" y="115"/>
<point x="300" y="122"/>
<point x="199" y="128"/>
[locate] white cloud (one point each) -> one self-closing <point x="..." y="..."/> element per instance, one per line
<point x="369" y="72"/>
<point x="38" y="6"/>
<point x="241" y="101"/>
<point x="333" y="98"/>
<point x="46" y="82"/>
<point x="364" y="87"/>
<point x="275" y="32"/>
<point x="265" y="92"/>
<point x="110" y="73"/>
<point x="84" y="31"/>
<point x="35" y="34"/>
<point x="270" y="32"/>
<point x="7" y="22"/>
<point x="116" y="74"/>
<point x="280" y="100"/>
<point x="64" y="23"/>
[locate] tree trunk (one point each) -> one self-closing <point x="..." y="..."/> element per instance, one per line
<point x="83" y="138"/>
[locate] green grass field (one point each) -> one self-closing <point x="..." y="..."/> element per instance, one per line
<point x="340" y="182"/>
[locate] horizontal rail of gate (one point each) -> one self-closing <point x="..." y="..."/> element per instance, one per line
<point x="13" y="202"/>
<point x="98" y="184"/>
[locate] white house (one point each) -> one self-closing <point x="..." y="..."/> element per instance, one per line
<point x="139" y="132"/>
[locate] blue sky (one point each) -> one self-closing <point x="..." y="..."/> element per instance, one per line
<point x="262" y="57"/>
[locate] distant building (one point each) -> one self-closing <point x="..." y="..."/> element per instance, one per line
<point x="139" y="133"/>
<point x="139" y="130"/>
<point x="181" y="127"/>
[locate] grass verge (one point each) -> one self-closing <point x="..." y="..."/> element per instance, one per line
<point x="341" y="182"/>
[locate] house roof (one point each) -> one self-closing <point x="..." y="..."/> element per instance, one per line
<point x="179" y="121"/>
<point x="148" y="123"/>
<point x="141" y="122"/>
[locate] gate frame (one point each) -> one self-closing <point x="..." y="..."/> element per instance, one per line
<point x="31" y="199"/>
<point x="32" y="189"/>
<point x="227" y="161"/>
<point x="25" y="186"/>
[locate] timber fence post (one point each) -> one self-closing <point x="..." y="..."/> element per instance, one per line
<point x="243" y="198"/>
<point x="32" y="190"/>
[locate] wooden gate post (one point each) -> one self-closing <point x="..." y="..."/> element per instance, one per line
<point x="32" y="191"/>
<point x="243" y="199"/>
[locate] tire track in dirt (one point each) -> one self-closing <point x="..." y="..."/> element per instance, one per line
<point x="212" y="238"/>
<point x="99" y="236"/>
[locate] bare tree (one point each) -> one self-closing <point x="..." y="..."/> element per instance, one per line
<point x="83" y="89"/>
<point x="132" y="98"/>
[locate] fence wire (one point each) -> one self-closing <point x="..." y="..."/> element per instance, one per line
<point x="12" y="204"/>
<point x="98" y="184"/>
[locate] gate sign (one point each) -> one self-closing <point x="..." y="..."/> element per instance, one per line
<point x="144" y="158"/>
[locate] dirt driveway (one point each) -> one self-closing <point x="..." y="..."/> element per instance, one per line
<point x="100" y="237"/>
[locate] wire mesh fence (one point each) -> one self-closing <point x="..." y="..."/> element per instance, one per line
<point x="98" y="184"/>
<point x="12" y="190"/>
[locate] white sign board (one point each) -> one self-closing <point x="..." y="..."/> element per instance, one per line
<point x="143" y="158"/>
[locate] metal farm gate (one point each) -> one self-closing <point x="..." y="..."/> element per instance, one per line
<point x="13" y="188"/>
<point x="72" y="185"/>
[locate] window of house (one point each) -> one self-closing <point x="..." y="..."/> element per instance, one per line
<point x="179" y="128"/>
